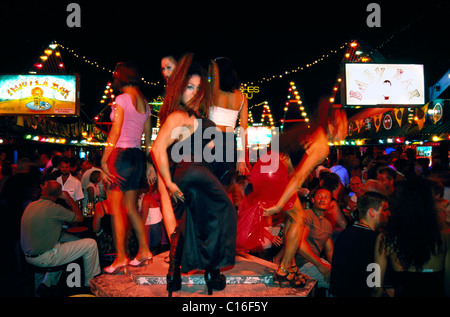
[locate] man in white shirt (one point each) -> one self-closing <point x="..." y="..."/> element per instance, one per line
<point x="342" y="172"/>
<point x="69" y="183"/>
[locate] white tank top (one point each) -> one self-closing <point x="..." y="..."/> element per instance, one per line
<point x="225" y="117"/>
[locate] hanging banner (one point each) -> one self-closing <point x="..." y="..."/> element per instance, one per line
<point x="377" y="120"/>
<point x="420" y="116"/>
<point x="399" y="115"/>
<point x="39" y="94"/>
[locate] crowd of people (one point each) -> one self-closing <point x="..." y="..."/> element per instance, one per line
<point x="360" y="226"/>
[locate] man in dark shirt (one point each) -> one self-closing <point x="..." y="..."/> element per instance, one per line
<point x="355" y="247"/>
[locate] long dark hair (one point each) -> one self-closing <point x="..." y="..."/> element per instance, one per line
<point x="228" y="78"/>
<point x="413" y="232"/>
<point x="186" y="68"/>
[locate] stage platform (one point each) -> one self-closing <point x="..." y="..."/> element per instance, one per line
<point x="249" y="277"/>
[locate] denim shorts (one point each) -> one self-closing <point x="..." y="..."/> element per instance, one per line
<point x="127" y="165"/>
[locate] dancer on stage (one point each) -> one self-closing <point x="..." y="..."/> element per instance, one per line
<point x="227" y="104"/>
<point x="301" y="150"/>
<point x="205" y="237"/>
<point x="123" y="163"/>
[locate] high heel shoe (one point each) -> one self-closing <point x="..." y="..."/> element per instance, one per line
<point x="294" y="282"/>
<point x="173" y="281"/>
<point x="143" y="262"/>
<point x="116" y="269"/>
<point x="215" y="280"/>
<point x="302" y="277"/>
<point x="173" y="277"/>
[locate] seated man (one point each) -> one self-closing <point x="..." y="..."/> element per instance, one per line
<point x="354" y="249"/>
<point x="316" y="238"/>
<point x="41" y="236"/>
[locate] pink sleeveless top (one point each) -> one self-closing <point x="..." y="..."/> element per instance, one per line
<point x="133" y="123"/>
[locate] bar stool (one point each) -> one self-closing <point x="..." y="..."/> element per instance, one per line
<point x="43" y="270"/>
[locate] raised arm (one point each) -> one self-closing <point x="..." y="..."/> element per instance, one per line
<point x="214" y="81"/>
<point x="243" y="159"/>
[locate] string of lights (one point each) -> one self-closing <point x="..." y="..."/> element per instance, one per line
<point x="297" y="69"/>
<point x="108" y="96"/>
<point x="97" y="65"/>
<point x="262" y="80"/>
<point x="294" y="101"/>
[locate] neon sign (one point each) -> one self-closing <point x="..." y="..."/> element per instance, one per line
<point x="248" y="91"/>
<point x="39" y="94"/>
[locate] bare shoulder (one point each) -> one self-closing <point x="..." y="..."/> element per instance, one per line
<point x="178" y="116"/>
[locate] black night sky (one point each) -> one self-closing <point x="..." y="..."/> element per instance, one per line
<point x="261" y="40"/>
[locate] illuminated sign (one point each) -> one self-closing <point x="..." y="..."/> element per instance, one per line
<point x="436" y="113"/>
<point x="39" y="94"/>
<point x="387" y="121"/>
<point x="249" y="91"/>
<point x="259" y="135"/>
<point x="424" y="151"/>
<point x="369" y="84"/>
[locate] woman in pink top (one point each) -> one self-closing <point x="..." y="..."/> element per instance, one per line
<point x="123" y="162"/>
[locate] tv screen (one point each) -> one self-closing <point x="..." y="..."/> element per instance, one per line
<point x="424" y="151"/>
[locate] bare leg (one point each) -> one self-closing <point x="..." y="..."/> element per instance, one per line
<point x="130" y="202"/>
<point x="292" y="237"/>
<point x="119" y="225"/>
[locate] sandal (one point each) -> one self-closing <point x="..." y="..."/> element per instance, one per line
<point x="302" y="277"/>
<point x="294" y="282"/>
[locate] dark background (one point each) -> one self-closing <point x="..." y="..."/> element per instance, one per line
<point x="261" y="39"/>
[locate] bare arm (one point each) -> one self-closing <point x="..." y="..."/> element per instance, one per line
<point x="381" y="259"/>
<point x="215" y="83"/>
<point x="113" y="136"/>
<point x="98" y="215"/>
<point x="167" y="135"/>
<point x="73" y="207"/>
<point x="148" y="135"/>
<point x="243" y="166"/>
<point x="145" y="207"/>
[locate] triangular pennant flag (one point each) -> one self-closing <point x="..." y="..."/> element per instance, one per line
<point x="359" y="124"/>
<point x="420" y="115"/>
<point x="377" y="120"/>
<point x="399" y="115"/>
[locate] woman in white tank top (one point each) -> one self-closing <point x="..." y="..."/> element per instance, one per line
<point x="227" y="104"/>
